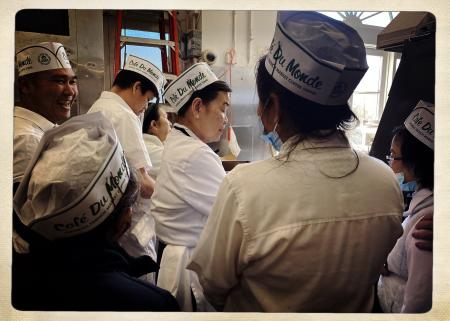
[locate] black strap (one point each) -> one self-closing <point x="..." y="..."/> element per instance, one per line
<point x="184" y="131"/>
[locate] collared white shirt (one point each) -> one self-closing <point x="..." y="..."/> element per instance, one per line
<point x="186" y="187"/>
<point x="29" y="127"/>
<point x="127" y="126"/>
<point x="284" y="236"/>
<point x="140" y="238"/>
<point x="155" y="148"/>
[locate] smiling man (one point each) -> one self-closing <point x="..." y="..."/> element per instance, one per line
<point x="47" y="90"/>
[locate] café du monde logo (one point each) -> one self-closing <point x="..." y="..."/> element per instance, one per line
<point x="44" y="59"/>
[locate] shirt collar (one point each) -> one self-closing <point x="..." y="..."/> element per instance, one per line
<point x="190" y="132"/>
<point x="40" y="121"/>
<point x="153" y="139"/>
<point x="118" y="99"/>
<point x="418" y="197"/>
<point x="337" y="140"/>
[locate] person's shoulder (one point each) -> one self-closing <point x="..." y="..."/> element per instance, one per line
<point x="130" y="293"/>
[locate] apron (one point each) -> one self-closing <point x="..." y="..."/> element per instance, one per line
<point x="175" y="278"/>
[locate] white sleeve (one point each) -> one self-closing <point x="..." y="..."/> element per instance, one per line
<point x="130" y="136"/>
<point x="203" y="176"/>
<point x="24" y="147"/>
<point x="418" y="289"/>
<point x="221" y="252"/>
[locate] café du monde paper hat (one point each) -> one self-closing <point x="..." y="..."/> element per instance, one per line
<point x="316" y="57"/>
<point x="40" y="57"/>
<point x="148" y="70"/>
<point x="75" y="179"/>
<point x="420" y="123"/>
<point x="197" y="77"/>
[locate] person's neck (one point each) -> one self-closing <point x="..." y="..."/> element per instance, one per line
<point x="34" y="108"/>
<point x="189" y="123"/>
<point x="122" y="93"/>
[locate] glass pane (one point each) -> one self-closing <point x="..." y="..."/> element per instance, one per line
<point x="372" y="79"/>
<point x="142" y="34"/>
<point x="332" y="14"/>
<point x="381" y="19"/>
<point x="152" y="54"/>
<point x="365" y="106"/>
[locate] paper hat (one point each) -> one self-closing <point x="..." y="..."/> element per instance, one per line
<point x="316" y="57"/>
<point x="41" y="57"/>
<point x="148" y="70"/>
<point x="420" y="123"/>
<point x="75" y="180"/>
<point x="197" y="77"/>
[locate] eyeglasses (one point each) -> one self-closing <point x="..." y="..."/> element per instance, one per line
<point x="390" y="158"/>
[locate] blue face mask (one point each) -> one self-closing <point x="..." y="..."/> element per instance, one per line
<point x="406" y="187"/>
<point x="272" y="138"/>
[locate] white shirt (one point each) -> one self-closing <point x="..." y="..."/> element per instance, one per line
<point x="127" y="126"/>
<point x="140" y="238"/>
<point x="29" y="127"/>
<point x="284" y="237"/>
<point x="155" y="150"/>
<point x="408" y="286"/>
<point x="185" y="188"/>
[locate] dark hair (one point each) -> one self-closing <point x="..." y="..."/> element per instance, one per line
<point x="207" y="94"/>
<point x="152" y="113"/>
<point x="126" y="78"/>
<point x="417" y="156"/>
<point x="305" y="116"/>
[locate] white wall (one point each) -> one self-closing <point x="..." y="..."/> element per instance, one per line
<point x="251" y="36"/>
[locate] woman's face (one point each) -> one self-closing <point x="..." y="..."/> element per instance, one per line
<point x="163" y="124"/>
<point x="160" y="127"/>
<point x="213" y="118"/>
<point x="397" y="165"/>
<point x="395" y="152"/>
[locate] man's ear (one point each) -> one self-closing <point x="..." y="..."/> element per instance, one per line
<point x="153" y="126"/>
<point x="136" y="86"/>
<point x="196" y="107"/>
<point x="24" y="86"/>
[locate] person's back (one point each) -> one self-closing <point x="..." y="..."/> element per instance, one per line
<point x="312" y="242"/>
<point x="93" y="278"/>
<point x="72" y="210"/>
<point x="309" y="229"/>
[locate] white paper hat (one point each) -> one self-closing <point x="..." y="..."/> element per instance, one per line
<point x="75" y="180"/>
<point x="420" y="123"/>
<point x="197" y="77"/>
<point x="148" y="70"/>
<point x="40" y="57"/>
<point x="316" y="57"/>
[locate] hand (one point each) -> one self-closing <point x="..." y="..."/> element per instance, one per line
<point x="423" y="231"/>
<point x="147" y="184"/>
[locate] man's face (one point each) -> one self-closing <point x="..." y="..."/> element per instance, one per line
<point x="139" y="101"/>
<point x="52" y="93"/>
<point x="213" y="118"/>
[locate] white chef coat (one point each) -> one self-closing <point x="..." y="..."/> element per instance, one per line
<point x="140" y="238"/>
<point x="186" y="187"/>
<point x="155" y="148"/>
<point x="408" y="286"/>
<point x="29" y="127"/>
<point x="284" y="237"/>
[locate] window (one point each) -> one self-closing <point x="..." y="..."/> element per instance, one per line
<point x="146" y="34"/>
<point x="370" y="96"/>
